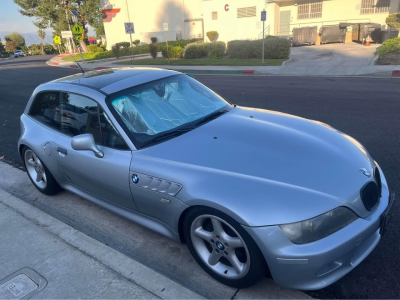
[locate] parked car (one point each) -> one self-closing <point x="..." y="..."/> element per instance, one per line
<point x="18" y="53"/>
<point x="248" y="190"/>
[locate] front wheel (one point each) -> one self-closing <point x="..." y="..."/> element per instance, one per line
<point x="223" y="248"/>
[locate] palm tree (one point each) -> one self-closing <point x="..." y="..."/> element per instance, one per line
<point x="42" y="35"/>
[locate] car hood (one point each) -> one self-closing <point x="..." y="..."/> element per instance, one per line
<point x="276" y="147"/>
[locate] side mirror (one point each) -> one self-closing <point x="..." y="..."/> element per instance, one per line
<point x="86" y="142"/>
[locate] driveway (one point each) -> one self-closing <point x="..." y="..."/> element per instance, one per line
<point x="333" y="59"/>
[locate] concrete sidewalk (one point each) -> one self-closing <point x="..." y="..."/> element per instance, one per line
<point x="37" y="240"/>
<point x="43" y="258"/>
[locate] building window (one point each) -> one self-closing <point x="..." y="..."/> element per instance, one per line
<point x="375" y="6"/>
<point x="214" y="15"/>
<point x="309" y="10"/>
<point x="246" y="12"/>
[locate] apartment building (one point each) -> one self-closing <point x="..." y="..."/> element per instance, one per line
<point x="241" y="19"/>
<point x="234" y="19"/>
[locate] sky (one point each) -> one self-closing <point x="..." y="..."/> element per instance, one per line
<point x="12" y="20"/>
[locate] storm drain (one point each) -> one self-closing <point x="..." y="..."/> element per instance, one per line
<point x="22" y="284"/>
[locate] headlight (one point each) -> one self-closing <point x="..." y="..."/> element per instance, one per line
<point x="319" y="227"/>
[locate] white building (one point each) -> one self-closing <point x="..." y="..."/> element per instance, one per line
<point x="235" y="19"/>
<point x="241" y="19"/>
<point x="184" y="18"/>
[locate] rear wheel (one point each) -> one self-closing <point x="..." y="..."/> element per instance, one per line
<point x="38" y="173"/>
<point x="223" y="248"/>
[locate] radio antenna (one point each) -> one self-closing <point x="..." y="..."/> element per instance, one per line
<point x="83" y="71"/>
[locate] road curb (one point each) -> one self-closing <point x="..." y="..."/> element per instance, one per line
<point x="396" y="73"/>
<point x="141" y="275"/>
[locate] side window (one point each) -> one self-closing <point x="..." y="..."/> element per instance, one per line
<point x="79" y="115"/>
<point x="110" y="135"/>
<point x="45" y="107"/>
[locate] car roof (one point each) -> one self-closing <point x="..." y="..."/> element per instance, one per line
<point x="116" y="79"/>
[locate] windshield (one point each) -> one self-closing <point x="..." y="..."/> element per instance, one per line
<point x="151" y="110"/>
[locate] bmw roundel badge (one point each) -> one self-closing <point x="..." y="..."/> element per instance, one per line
<point x="135" y="178"/>
<point x="365" y="172"/>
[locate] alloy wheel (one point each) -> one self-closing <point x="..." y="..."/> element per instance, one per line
<point x="220" y="246"/>
<point x="35" y="169"/>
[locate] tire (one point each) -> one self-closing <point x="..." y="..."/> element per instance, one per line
<point x="223" y="248"/>
<point x="38" y="173"/>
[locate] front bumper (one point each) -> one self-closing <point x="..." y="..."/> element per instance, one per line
<point x="316" y="265"/>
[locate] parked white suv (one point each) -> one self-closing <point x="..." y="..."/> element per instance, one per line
<point x="18" y="53"/>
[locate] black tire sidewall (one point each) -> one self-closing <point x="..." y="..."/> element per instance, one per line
<point x="52" y="187"/>
<point x="258" y="266"/>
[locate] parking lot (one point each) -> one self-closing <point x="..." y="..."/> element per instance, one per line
<point x="365" y="108"/>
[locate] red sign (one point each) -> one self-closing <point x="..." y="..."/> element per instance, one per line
<point x="226" y="7"/>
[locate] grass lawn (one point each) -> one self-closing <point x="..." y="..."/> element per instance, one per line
<point x="205" y="62"/>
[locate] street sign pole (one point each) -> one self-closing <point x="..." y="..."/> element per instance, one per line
<point x="130" y="28"/>
<point x="263" y="19"/>
<point x="133" y="55"/>
<point x="165" y="25"/>
<point x="80" y="48"/>
<point x="263" y="42"/>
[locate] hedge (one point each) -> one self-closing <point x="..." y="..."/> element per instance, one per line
<point x="216" y="50"/>
<point x="174" y="52"/>
<point x="195" y="51"/>
<point x="275" y="48"/>
<point x="389" y="46"/>
<point x="141" y="49"/>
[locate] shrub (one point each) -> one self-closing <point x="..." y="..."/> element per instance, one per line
<point x="275" y="48"/>
<point x="153" y="50"/>
<point x="192" y="51"/>
<point x="124" y="45"/>
<point x="49" y="49"/>
<point x="203" y="47"/>
<point x="212" y="35"/>
<point x="95" y="48"/>
<point x="116" y="49"/>
<point x="176" y="52"/>
<point x="103" y="47"/>
<point x="196" y="50"/>
<point x="393" y="20"/>
<point x="136" y="42"/>
<point x="153" y="39"/>
<point x="389" y="46"/>
<point x="216" y="50"/>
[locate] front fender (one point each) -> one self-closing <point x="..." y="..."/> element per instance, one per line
<point x="252" y="201"/>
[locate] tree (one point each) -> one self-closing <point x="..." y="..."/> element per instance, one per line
<point x="10" y="46"/>
<point x="51" y="13"/>
<point x="18" y="39"/>
<point x="1" y="46"/>
<point x="42" y="35"/>
<point x="393" y="20"/>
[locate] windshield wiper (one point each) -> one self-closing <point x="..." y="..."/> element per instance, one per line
<point x="168" y="135"/>
<point x="212" y="116"/>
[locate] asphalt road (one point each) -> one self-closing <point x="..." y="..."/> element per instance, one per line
<point x="364" y="108"/>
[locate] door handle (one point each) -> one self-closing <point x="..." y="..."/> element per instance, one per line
<point x="62" y="150"/>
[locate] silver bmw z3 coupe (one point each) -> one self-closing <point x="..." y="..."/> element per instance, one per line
<point x="250" y="191"/>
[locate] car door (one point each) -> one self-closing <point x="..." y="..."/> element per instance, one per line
<point x="106" y="178"/>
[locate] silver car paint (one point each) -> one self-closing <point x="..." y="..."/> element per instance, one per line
<point x="260" y="167"/>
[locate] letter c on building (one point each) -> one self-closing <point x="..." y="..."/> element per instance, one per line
<point x="226" y="7"/>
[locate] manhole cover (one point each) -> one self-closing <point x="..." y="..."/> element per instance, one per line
<point x="22" y="284"/>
